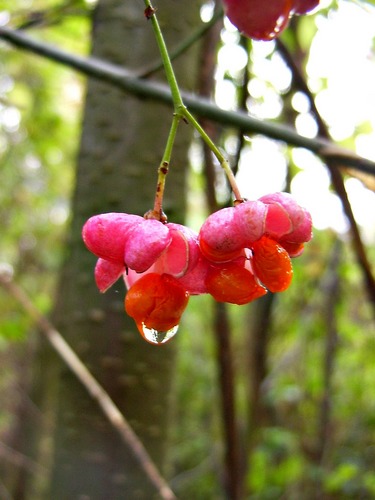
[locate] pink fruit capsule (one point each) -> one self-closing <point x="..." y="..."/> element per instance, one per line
<point x="105" y="235"/>
<point x="181" y="254"/>
<point x="145" y="243"/>
<point x="251" y="218"/>
<point x="107" y="273"/>
<point x="218" y="236"/>
<point x="300" y="228"/>
<point x="226" y="233"/>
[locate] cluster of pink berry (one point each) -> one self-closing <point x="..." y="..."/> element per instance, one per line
<point x="265" y="20"/>
<point x="239" y="253"/>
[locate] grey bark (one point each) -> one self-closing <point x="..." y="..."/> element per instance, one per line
<point x="122" y="143"/>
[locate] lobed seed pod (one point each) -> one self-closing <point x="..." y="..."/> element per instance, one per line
<point x="181" y="255"/>
<point x="105" y="235"/>
<point x="226" y="233"/>
<point x="287" y="221"/>
<point x="107" y="273"/>
<point x="145" y="243"/>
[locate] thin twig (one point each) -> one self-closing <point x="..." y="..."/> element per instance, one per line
<point x="226" y="381"/>
<point x="96" y="391"/>
<point x="243" y="92"/>
<point x="4" y="493"/>
<point x="258" y="338"/>
<point x="221" y="325"/>
<point x="124" y="79"/>
<point x="331" y="291"/>
<point x="19" y="460"/>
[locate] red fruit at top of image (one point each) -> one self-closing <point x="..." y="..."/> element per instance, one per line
<point x="264" y="20"/>
<point x="257" y="19"/>
<point x="304" y="6"/>
<point x="225" y="233"/>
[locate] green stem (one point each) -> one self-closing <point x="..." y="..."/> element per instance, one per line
<point x="181" y="48"/>
<point x="157" y="212"/>
<point x="216" y="151"/>
<point x="182" y="112"/>
<point x="171" y="78"/>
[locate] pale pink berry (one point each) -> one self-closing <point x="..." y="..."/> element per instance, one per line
<point x="225" y="233"/>
<point x="107" y="273"/>
<point x="217" y="236"/>
<point x="145" y="243"/>
<point x="286" y="220"/>
<point x="251" y="219"/>
<point x="179" y="259"/>
<point x="182" y="253"/>
<point x="195" y="280"/>
<point x="105" y="235"/>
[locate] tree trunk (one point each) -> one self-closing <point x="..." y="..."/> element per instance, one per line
<point x="122" y="143"/>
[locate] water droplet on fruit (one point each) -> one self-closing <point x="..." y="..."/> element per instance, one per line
<point x="158" y="337"/>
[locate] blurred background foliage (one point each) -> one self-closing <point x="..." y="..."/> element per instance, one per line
<point x="314" y="433"/>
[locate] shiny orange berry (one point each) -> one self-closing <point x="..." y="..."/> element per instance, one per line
<point x="272" y="264"/>
<point x="156" y="301"/>
<point x="233" y="283"/>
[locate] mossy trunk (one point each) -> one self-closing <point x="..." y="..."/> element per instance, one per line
<point x="122" y="143"/>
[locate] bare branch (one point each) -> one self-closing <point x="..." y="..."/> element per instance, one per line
<point x="96" y="391"/>
<point x="20" y="460"/>
<point x="127" y="81"/>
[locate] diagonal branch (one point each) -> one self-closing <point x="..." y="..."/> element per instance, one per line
<point x="127" y="81"/>
<point x="51" y="15"/>
<point x="19" y="460"/>
<point x="96" y="391"/>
